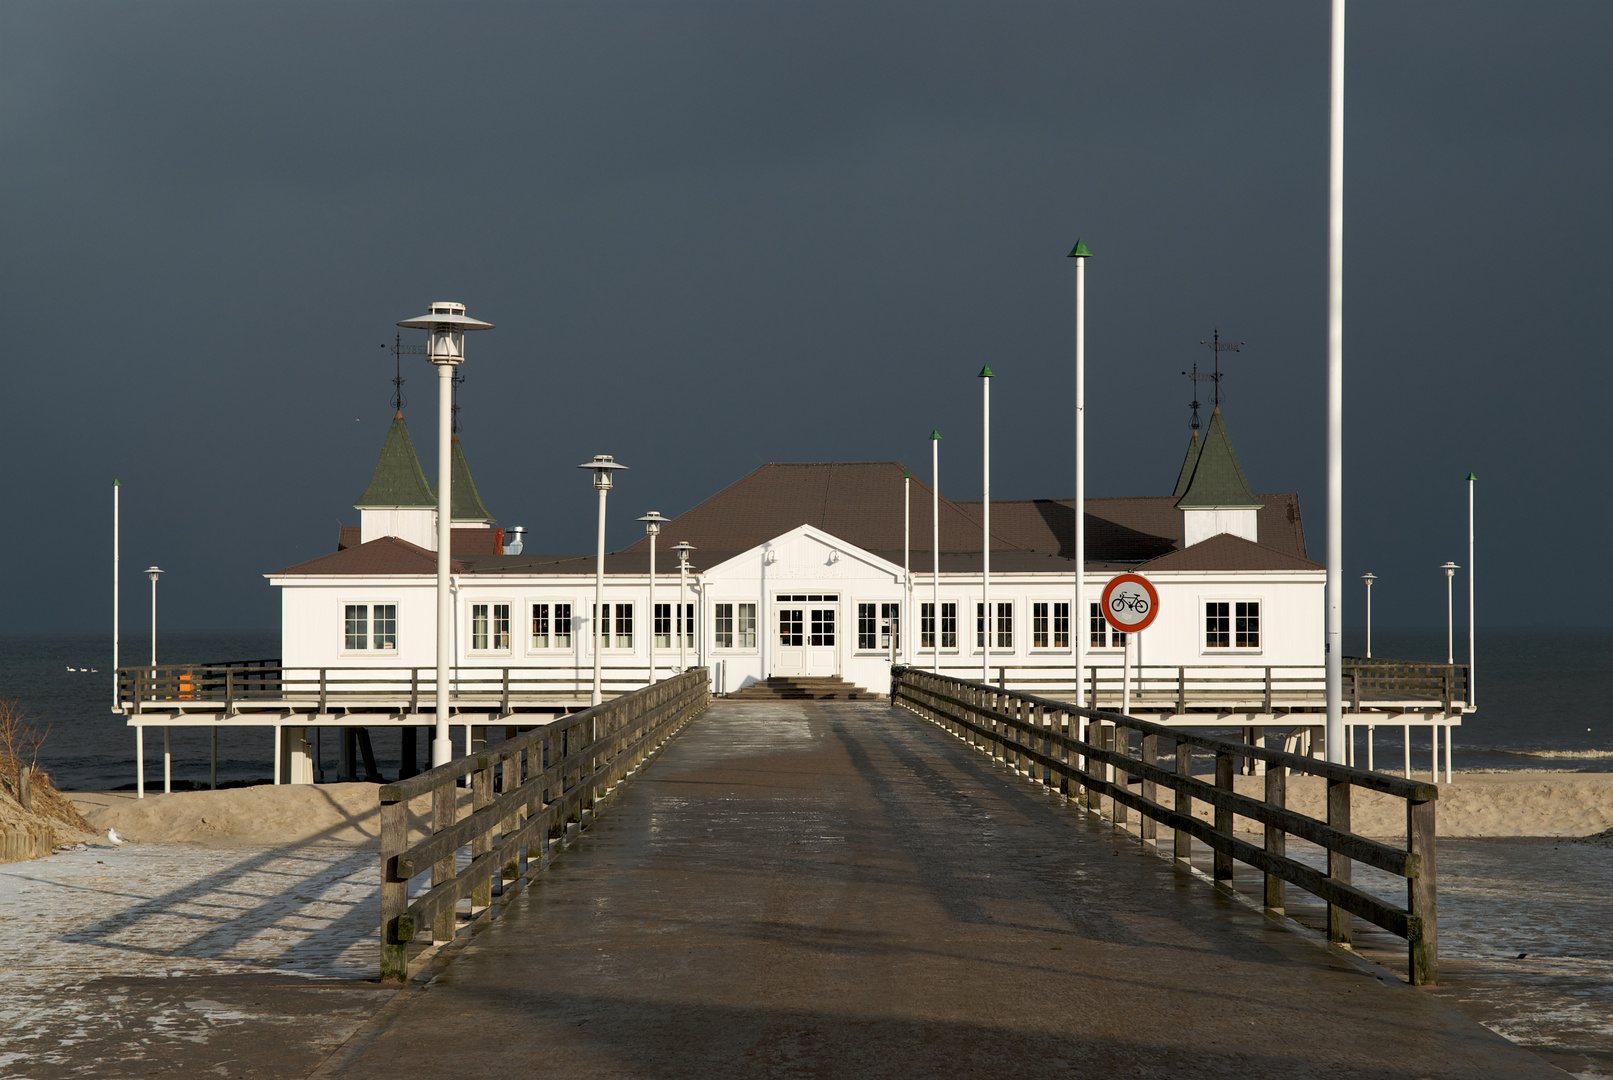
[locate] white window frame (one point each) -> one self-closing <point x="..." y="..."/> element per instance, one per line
<point x="1233" y="649"/>
<point x="369" y="607"/>
<point x="491" y="603"/>
<point x="736" y="625"/>
<point x="1052" y="606"/>
<point x="550" y="603"/>
<point x="993" y="628"/>
<point x="633" y="620"/>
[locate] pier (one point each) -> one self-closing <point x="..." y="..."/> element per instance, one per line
<point x="805" y="888"/>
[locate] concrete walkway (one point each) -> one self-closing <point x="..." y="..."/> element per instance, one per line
<point x="800" y="890"/>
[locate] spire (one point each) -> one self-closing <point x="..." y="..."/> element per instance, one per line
<point x="1218" y="481"/>
<point x="398" y="479"/>
<point x="467" y="500"/>
<point x="1188" y="463"/>
<point x="1079" y="251"/>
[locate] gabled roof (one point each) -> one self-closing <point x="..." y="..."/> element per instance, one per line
<point x="1188" y="463"/>
<point x="859" y="502"/>
<point x="1228" y="552"/>
<point x="467" y="500"/>
<point x="398" y="479"/>
<point x="386" y="555"/>
<point x="1218" y="480"/>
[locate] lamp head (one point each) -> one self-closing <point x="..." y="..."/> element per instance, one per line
<point x="603" y="465"/>
<point x="154" y="572"/>
<point x="1369" y="578"/>
<point x="1450" y="568"/>
<point x="653" y="522"/>
<point x="445" y="325"/>
<point x="683" y="547"/>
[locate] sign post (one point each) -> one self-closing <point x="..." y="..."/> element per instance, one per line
<point x="1129" y="605"/>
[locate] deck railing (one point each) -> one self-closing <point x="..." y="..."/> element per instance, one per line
<point x="1207" y="687"/>
<point x="1094" y="756"/>
<point x="527" y="794"/>
<point x="244" y="682"/>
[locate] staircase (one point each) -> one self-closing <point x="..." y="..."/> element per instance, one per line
<point x="804" y="688"/>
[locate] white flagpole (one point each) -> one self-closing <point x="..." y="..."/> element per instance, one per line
<point x="1335" y="400"/>
<point x="985" y="525"/>
<point x="1472" y="651"/>
<point x="935" y="546"/>
<point x="1078" y="607"/>
<point x="907" y="566"/>
<point x="116" y="490"/>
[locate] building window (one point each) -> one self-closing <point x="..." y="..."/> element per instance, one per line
<point x="791" y="632"/>
<point x="358" y="622"/>
<point x="823" y="627"/>
<point x="385" y="627"/>
<point x="877" y="624"/>
<point x="686" y="624"/>
<point x="551" y="626"/>
<point x="490" y="627"/>
<point x="734" y="629"/>
<point x="622" y="626"/>
<point x="1004" y="628"/>
<point x="1232" y="624"/>
<point x="663" y="626"/>
<point x="1100" y="628"/>
<point x="1050" y="626"/>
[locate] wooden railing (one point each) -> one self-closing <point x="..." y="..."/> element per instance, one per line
<point x="1207" y="687"/>
<point x="527" y="793"/>
<point x="1091" y="756"/>
<point x="244" y="682"/>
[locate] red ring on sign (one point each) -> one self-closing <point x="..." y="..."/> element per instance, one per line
<point x="1153" y="603"/>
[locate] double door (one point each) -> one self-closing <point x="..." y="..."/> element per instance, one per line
<point x="804" y="637"/>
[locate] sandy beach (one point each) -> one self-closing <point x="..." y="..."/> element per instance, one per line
<point x="1536" y="802"/>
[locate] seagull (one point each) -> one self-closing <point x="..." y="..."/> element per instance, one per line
<point x="72" y="669"/>
<point x="117" y="841"/>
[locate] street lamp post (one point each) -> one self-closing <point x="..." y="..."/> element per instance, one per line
<point x="445" y="325"/>
<point x="602" y="465"/>
<point x="154" y="572"/>
<point x="679" y="623"/>
<point x="1369" y="578"/>
<point x="1450" y="569"/>
<point x="652" y="527"/>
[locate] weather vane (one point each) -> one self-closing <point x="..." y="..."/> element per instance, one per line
<point x="1194" y="376"/>
<point x="458" y="377"/>
<point x="1217" y="346"/>
<point x="399" y="350"/>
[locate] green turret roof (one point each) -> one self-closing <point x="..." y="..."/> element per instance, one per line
<point x="398" y="479"/>
<point x="1192" y="459"/>
<point x="467" y="500"/>
<point x="1218" y="479"/>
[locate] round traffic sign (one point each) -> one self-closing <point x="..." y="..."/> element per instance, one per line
<point x="1129" y="603"/>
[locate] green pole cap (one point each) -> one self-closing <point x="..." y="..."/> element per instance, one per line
<point x="985" y="373"/>
<point x="1079" y="251"/>
<point x="1470" y="476"/>
<point x="935" y="434"/>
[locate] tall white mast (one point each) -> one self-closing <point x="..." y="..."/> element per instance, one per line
<point x="116" y="488"/>
<point x="1335" y="400"/>
<point x="1078" y="607"/>
<point x="1472" y="650"/>
<point x="985" y="525"/>
<point x="935" y="546"/>
<point x="906" y="623"/>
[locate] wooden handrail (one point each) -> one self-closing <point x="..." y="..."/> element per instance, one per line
<point x="526" y="794"/>
<point x="1086" y="755"/>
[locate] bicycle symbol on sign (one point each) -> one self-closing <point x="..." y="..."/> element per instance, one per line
<point x="1129" y="601"/>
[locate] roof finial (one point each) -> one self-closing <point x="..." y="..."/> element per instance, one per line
<point x="399" y="350"/>
<point x="1218" y="346"/>
<point x="1194" y="376"/>
<point x="457" y="378"/>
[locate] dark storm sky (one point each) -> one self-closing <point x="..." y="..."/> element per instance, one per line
<point x="718" y="234"/>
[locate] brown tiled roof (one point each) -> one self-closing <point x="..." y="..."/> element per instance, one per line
<point x="860" y="502"/>
<point x="1228" y="552"/>
<point x="1127" y="529"/>
<point x="348" y="536"/>
<point x="386" y="555"/>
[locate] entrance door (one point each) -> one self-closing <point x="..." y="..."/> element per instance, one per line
<point x="804" y="641"/>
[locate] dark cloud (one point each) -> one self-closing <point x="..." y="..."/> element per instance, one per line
<point x="717" y="234"/>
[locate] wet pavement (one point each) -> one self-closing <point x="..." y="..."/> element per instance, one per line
<point x="840" y="890"/>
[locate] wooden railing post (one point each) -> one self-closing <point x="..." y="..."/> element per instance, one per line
<point x="1122" y="746"/>
<point x="1149" y="828"/>
<point x="444" y="810"/>
<point x="1276" y="838"/>
<point x="481" y="788"/>
<point x="397" y="928"/>
<point x="1181" y="689"/>
<point x="1184" y="801"/>
<point x="1338" y="864"/>
<point x="229" y="690"/>
<point x="1422" y="939"/>
<point x="1223" y="816"/>
<point x="1268" y="689"/>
